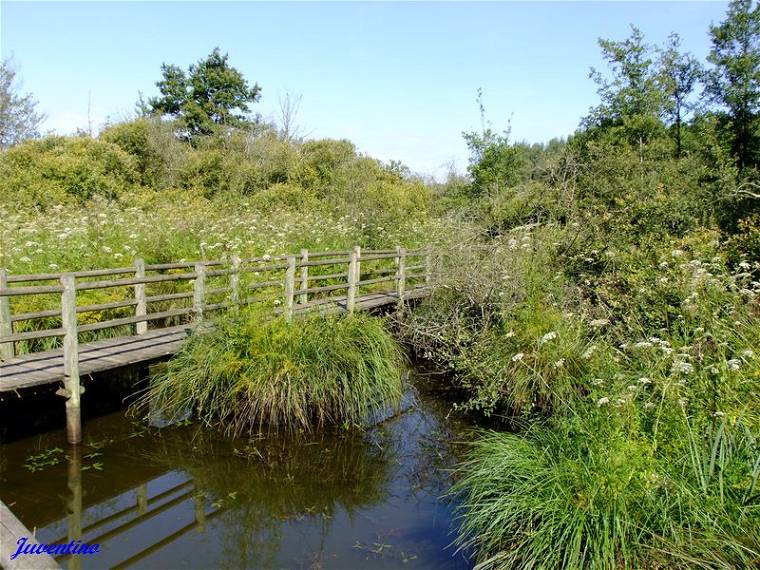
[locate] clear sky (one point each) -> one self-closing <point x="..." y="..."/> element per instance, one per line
<point x="398" y="79"/>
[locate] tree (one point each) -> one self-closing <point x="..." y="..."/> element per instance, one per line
<point x="734" y="81"/>
<point x="19" y="119"/>
<point x="678" y="74"/>
<point x="495" y="163"/>
<point x="211" y="93"/>
<point x="632" y="89"/>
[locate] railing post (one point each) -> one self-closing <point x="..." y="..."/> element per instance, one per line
<point x="358" y="251"/>
<point x="235" y="282"/>
<point x="304" y="297"/>
<point x="400" y="272"/>
<point x="199" y="291"/>
<point x="6" y="326"/>
<point x="72" y="389"/>
<point x="141" y="309"/>
<point x="353" y="264"/>
<point x="290" y="287"/>
<point x="428" y="265"/>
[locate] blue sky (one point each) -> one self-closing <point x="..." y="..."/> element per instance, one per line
<point x="398" y="79"/>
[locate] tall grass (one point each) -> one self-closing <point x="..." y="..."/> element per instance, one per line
<point x="595" y="497"/>
<point x="245" y="373"/>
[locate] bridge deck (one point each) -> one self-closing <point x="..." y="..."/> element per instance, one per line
<point x="47" y="367"/>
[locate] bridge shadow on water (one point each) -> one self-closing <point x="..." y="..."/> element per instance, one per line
<point x="181" y="496"/>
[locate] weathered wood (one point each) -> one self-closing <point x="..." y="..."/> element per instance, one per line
<point x="290" y="286"/>
<point x="88" y="285"/>
<point x="71" y="359"/>
<point x="235" y="281"/>
<point x="401" y="273"/>
<point x="34" y="290"/>
<point x="30" y="335"/>
<point x="141" y="309"/>
<point x="322" y="289"/>
<point x="428" y="265"/>
<point x="133" y="320"/>
<point x="46" y="367"/>
<point x="304" y="297"/>
<point x="169" y="297"/>
<point x="7" y="349"/>
<point x="358" y="269"/>
<point x="351" y="294"/>
<point x="11" y="531"/>
<point x="199" y="291"/>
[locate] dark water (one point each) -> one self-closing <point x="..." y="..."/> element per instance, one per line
<point x="181" y="497"/>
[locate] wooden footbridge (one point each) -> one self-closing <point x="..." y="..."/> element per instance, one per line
<point x="97" y="320"/>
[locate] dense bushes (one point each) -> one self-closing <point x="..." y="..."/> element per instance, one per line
<point x="58" y="169"/>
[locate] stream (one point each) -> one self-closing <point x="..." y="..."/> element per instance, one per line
<point x="181" y="496"/>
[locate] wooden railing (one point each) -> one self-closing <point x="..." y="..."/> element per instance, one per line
<point x="310" y="279"/>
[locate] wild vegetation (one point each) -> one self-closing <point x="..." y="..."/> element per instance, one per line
<point x="596" y="298"/>
<point x="248" y="372"/>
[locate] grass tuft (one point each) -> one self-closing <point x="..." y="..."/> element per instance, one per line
<point x="245" y="373"/>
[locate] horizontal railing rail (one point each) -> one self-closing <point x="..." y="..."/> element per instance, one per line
<point x="313" y="285"/>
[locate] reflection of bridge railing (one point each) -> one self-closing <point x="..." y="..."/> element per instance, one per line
<point x="144" y="509"/>
<point x="322" y="281"/>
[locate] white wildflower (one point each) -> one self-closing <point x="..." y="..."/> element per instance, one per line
<point x="588" y="352"/>
<point x="748" y="353"/>
<point x="596" y="323"/>
<point x="683" y="367"/>
<point x="649" y="405"/>
<point x="734" y="364"/>
<point x="560" y="363"/>
<point x="547" y="337"/>
<point x="510" y="334"/>
<point x="644" y="381"/>
<point x="602" y="401"/>
<point x="518" y="357"/>
<point x="25" y="259"/>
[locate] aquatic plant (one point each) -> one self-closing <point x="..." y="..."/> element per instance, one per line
<point x="245" y="372"/>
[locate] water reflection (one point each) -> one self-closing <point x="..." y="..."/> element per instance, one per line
<point x="182" y="497"/>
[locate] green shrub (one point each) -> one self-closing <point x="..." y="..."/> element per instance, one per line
<point x="246" y="372"/>
<point x="56" y="169"/>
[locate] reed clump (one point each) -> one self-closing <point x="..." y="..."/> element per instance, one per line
<point x="245" y="373"/>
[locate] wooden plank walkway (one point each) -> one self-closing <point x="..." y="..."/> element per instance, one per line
<point x="11" y="530"/>
<point x="47" y="367"/>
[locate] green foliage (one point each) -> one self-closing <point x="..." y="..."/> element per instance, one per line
<point x="57" y="169"/>
<point x="210" y="94"/>
<point x="19" y="119"/>
<point x="734" y="81"/>
<point x="245" y="373"/>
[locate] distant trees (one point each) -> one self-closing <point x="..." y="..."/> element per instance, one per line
<point x="734" y="81"/>
<point x="19" y="119"/>
<point x="210" y="93"/>
<point x="678" y="75"/>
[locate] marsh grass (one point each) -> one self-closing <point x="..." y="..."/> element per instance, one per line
<point x="245" y="372"/>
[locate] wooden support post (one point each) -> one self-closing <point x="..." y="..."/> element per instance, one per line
<point x="400" y="273"/>
<point x="74" y="506"/>
<point x="428" y="265"/>
<point x="6" y="326"/>
<point x="304" y="297"/>
<point x="290" y="287"/>
<point x="199" y="291"/>
<point x="358" y="251"/>
<point x="141" y="498"/>
<point x="235" y="283"/>
<point x="352" y="273"/>
<point x="141" y="309"/>
<point x="200" y="511"/>
<point x="72" y="389"/>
